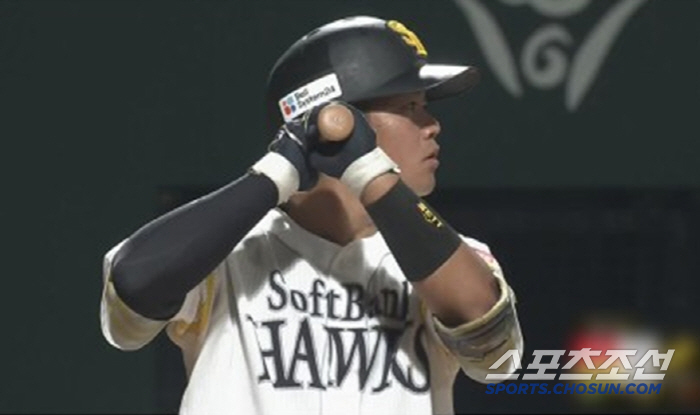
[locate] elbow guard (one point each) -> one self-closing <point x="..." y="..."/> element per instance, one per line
<point x="474" y="340"/>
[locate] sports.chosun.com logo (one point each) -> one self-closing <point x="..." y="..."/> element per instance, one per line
<point x="528" y="388"/>
<point x="601" y="372"/>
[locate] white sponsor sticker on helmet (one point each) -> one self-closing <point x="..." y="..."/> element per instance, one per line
<point x="314" y="93"/>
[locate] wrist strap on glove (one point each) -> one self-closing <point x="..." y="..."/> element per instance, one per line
<point x="367" y="168"/>
<point x="281" y="171"/>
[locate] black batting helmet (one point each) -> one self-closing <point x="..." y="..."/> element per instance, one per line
<point x="357" y="59"/>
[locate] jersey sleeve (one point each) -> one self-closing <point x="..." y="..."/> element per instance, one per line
<point x="477" y="368"/>
<point x="125" y="329"/>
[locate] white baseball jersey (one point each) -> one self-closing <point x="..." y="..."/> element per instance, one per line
<point x="292" y="323"/>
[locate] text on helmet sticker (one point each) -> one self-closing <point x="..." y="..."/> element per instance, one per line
<point x="409" y="37"/>
<point x="314" y="93"/>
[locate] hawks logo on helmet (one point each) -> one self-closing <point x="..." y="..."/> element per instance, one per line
<point x="409" y="37"/>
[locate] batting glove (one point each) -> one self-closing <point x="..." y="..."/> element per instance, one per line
<point x="357" y="160"/>
<point x="286" y="162"/>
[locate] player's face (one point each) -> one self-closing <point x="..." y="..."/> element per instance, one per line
<point x="407" y="133"/>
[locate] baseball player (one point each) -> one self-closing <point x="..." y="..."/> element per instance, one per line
<point x="320" y="281"/>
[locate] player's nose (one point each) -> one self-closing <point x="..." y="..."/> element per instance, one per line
<point x="431" y="127"/>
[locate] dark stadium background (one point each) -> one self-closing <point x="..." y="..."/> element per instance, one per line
<point x="115" y="111"/>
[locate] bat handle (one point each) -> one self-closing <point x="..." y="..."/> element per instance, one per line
<point x="335" y="122"/>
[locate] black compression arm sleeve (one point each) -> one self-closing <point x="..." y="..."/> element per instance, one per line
<point x="160" y="263"/>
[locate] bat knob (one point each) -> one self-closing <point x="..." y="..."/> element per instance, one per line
<point x="335" y="122"/>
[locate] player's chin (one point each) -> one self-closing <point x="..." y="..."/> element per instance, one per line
<point x="426" y="186"/>
<point x="421" y="180"/>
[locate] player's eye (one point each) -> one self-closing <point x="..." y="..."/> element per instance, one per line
<point x="414" y="106"/>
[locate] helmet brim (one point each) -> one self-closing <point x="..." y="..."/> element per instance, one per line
<point x="438" y="81"/>
<point x="443" y="81"/>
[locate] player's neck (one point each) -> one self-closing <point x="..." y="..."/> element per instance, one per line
<point x="331" y="211"/>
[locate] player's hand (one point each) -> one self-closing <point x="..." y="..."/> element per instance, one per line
<point x="356" y="161"/>
<point x="286" y="162"/>
<point x="292" y="142"/>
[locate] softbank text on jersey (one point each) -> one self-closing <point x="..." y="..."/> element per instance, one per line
<point x="369" y="331"/>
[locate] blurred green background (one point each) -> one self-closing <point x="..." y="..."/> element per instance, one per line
<point x="114" y="111"/>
